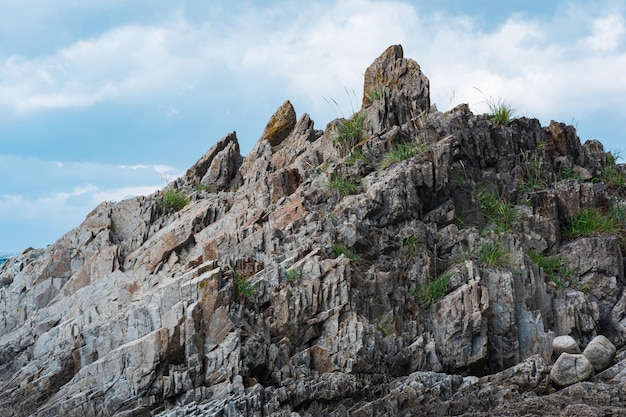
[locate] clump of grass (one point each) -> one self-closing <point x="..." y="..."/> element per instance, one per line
<point x="200" y="188"/>
<point x="535" y="174"/>
<point x="293" y="274"/>
<point x="567" y="174"/>
<point x="408" y="245"/>
<point x="553" y="267"/>
<point x="613" y="177"/>
<point x="342" y="249"/>
<point x="244" y="290"/>
<point x="500" y="110"/>
<point x="432" y="291"/>
<point x="355" y="156"/>
<point x="343" y="185"/>
<point x="491" y="254"/>
<point x="350" y="131"/>
<point x="386" y="325"/>
<point x="591" y="222"/>
<point x="501" y="214"/>
<point x="174" y="199"/>
<point x="374" y="95"/>
<point x="401" y="152"/>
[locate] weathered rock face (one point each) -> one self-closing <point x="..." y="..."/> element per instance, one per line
<point x="304" y="280"/>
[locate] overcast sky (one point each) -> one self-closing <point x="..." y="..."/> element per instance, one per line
<point x="101" y="100"/>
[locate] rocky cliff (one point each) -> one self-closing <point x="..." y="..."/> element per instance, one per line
<point x="404" y="261"/>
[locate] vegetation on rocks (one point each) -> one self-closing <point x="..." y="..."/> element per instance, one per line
<point x="401" y="152"/>
<point x="350" y="131"/>
<point x="342" y="184"/>
<point x="433" y="291"/>
<point x="461" y="269"/>
<point x="174" y="199"/>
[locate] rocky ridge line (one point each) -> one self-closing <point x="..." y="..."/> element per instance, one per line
<point x="327" y="273"/>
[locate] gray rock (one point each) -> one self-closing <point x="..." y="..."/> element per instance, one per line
<point x="570" y="369"/>
<point x="600" y="352"/>
<point x="564" y="344"/>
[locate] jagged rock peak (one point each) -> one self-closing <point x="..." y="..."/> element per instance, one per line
<point x="397" y="86"/>
<point x="218" y="168"/>
<point x="280" y="125"/>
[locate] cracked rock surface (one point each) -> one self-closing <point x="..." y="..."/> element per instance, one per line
<point x="428" y="284"/>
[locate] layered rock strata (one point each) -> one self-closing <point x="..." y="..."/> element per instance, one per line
<point x="328" y="273"/>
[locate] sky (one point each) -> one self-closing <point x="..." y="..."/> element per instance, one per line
<point x="104" y="100"/>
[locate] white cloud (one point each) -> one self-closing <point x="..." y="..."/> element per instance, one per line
<point x="125" y="63"/>
<point x="319" y="50"/>
<point x="607" y="33"/>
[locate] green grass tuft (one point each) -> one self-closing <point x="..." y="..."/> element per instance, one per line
<point x="591" y="222"/>
<point x="433" y="291"/>
<point x="355" y="156"/>
<point x="293" y="274"/>
<point x="401" y="152"/>
<point x="491" y="254"/>
<point x="342" y="249"/>
<point x="374" y="95"/>
<point x="501" y="214"/>
<point x="408" y="245"/>
<point x="343" y="185"/>
<point x="174" y="199"/>
<point x="553" y="267"/>
<point x="244" y="290"/>
<point x="350" y="131"/>
<point x="502" y="112"/>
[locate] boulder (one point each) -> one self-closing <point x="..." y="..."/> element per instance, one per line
<point x="600" y="352"/>
<point x="564" y="344"/>
<point x="570" y="369"/>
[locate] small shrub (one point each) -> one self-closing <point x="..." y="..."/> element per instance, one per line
<point x="492" y="255"/>
<point x="433" y="291"/>
<point x="343" y="185"/>
<point x="342" y="249"/>
<point x="174" y="199"/>
<point x="200" y="188"/>
<point x="590" y="222"/>
<point x="293" y="274"/>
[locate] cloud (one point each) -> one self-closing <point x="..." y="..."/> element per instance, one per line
<point x="124" y="63"/>
<point x="319" y="50"/>
<point x="47" y="188"/>
<point x="607" y="33"/>
<point x="52" y="197"/>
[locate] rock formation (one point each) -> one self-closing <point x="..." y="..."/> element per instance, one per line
<point x="402" y="262"/>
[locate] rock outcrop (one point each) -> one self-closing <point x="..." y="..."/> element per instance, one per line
<point x="402" y="262"/>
